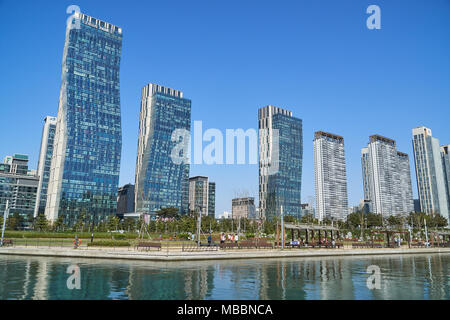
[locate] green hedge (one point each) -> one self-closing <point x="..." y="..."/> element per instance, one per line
<point x="109" y="243"/>
<point x="59" y="235"/>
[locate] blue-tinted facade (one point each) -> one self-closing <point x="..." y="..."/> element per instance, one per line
<point x="160" y="182"/>
<point x="85" y="170"/>
<point x="284" y="187"/>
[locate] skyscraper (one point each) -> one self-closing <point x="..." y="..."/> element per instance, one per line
<point x="45" y="159"/>
<point x="330" y="176"/>
<point x="430" y="172"/>
<point x="85" y="166"/>
<point x="160" y="181"/>
<point x="202" y="195"/>
<point x="445" y="153"/>
<point x="280" y="162"/>
<point x="386" y="177"/>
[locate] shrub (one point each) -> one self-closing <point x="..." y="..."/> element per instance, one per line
<point x="182" y="236"/>
<point x="109" y="243"/>
<point x="120" y="237"/>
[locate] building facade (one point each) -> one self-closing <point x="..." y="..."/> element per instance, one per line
<point x="85" y="166"/>
<point x="243" y="208"/>
<point x="160" y="181"/>
<point x="19" y="187"/>
<point x="386" y="177"/>
<point x="445" y="153"/>
<point x="202" y="196"/>
<point x="430" y="173"/>
<point x="280" y="149"/>
<point x="44" y="163"/>
<point x="330" y="176"/>
<point x="125" y="200"/>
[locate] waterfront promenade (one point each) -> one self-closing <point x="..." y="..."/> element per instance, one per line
<point x="176" y="255"/>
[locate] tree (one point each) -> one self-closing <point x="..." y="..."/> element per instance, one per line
<point x="41" y="223"/>
<point x="395" y="221"/>
<point x="354" y="220"/>
<point x="113" y="223"/>
<point x="168" y="213"/>
<point x="374" y="220"/>
<point x="439" y="221"/>
<point x="14" y="222"/>
<point x="308" y="218"/>
<point x="59" y="223"/>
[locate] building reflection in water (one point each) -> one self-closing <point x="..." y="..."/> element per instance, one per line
<point x="402" y="277"/>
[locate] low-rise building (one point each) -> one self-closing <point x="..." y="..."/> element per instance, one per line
<point x="243" y="208"/>
<point x="18" y="185"/>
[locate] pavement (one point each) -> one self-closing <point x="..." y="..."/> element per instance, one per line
<point x="178" y="255"/>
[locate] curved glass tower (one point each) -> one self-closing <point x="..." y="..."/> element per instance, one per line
<point x="85" y="166"/>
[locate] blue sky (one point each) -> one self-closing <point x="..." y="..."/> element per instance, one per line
<point x="315" y="58"/>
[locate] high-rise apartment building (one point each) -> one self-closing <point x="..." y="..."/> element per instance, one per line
<point x="386" y="177"/>
<point x="161" y="182"/>
<point x="44" y="162"/>
<point x="430" y="172"/>
<point x="280" y="151"/>
<point x="84" y="174"/>
<point x="18" y="185"/>
<point x="202" y="196"/>
<point x="330" y="176"/>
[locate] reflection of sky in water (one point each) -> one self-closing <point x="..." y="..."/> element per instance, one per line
<point x="402" y="277"/>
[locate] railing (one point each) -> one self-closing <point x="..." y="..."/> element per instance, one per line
<point x="192" y="247"/>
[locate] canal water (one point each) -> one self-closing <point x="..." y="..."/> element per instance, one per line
<point x="401" y="277"/>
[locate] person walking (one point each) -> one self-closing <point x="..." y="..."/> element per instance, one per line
<point x="236" y="238"/>
<point x="209" y="240"/>
<point x="92" y="237"/>
<point x="222" y="238"/>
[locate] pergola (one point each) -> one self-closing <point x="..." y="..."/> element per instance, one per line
<point x="443" y="233"/>
<point x="309" y="228"/>
<point x="389" y="233"/>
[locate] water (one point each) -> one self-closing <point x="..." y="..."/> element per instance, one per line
<point x="402" y="277"/>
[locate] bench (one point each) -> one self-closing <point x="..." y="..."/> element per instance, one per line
<point x="226" y="245"/>
<point x="7" y="242"/>
<point x="264" y="244"/>
<point x="149" y="245"/>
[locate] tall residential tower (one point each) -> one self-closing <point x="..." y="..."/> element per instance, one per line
<point x="430" y="172"/>
<point x="84" y="174"/>
<point x="386" y="177"/>
<point x="330" y="176"/>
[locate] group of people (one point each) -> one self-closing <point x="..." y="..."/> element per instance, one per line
<point x="230" y="237"/>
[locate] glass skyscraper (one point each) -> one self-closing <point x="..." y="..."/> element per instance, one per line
<point x="161" y="182"/>
<point x="85" y="166"/>
<point x="44" y="163"/>
<point x="280" y="162"/>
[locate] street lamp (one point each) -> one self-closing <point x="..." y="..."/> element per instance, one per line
<point x="199" y="226"/>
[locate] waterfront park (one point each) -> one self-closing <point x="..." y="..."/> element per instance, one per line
<point x="188" y="236"/>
